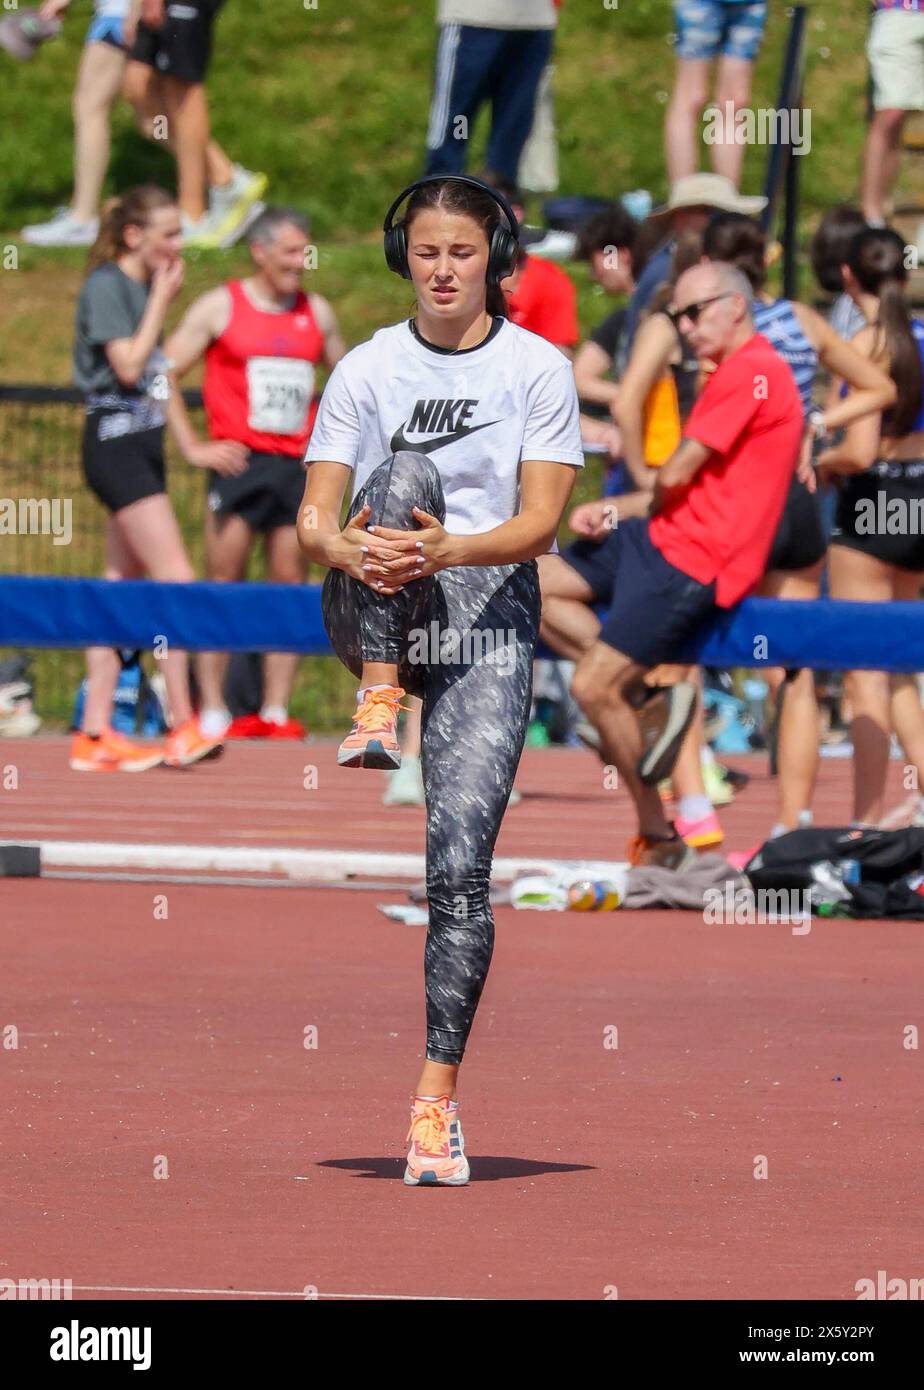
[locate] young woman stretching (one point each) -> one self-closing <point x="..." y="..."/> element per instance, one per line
<point x="433" y="587"/>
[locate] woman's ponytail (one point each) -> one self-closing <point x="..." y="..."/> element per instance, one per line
<point x="133" y="208"/>
<point x="876" y="257"/>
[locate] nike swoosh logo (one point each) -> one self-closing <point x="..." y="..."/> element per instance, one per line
<point x="399" y="443"/>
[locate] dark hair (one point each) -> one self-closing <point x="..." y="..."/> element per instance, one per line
<point x="739" y="240"/>
<point x="828" y="247"/>
<point x="132" y="209"/>
<point x="650" y="236"/>
<point x="612" y="227"/>
<point x="688" y="251"/>
<point x="271" y="219"/>
<point x="452" y="196"/>
<point x="502" y="185"/>
<point x="876" y="256"/>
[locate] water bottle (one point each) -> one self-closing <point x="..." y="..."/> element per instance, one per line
<point x="850" y="868"/>
<point x="827" y="884"/>
<point x="593" y="895"/>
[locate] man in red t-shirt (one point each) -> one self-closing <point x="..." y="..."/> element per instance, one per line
<point x="715" y="509"/>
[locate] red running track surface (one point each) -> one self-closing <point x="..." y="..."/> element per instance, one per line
<point x="142" y="1039"/>
<point x="255" y="795"/>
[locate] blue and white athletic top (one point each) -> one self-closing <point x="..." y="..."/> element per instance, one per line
<point x="778" y="322"/>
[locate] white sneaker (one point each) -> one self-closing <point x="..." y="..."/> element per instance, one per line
<point x="236" y="207"/>
<point x="405" y="785"/>
<point x="555" y="246"/>
<point x="245" y="186"/>
<point x="201" y="234"/>
<point x="62" y="229"/>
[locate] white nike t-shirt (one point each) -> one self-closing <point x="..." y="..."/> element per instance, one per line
<point x="478" y="414"/>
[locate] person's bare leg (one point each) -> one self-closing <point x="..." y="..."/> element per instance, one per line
<point x="228" y="542"/>
<point x="600" y="683"/>
<point x="733" y="84"/>
<point x="150" y="530"/>
<point x="799" y="731"/>
<point x="568" y="624"/>
<point x="284" y="565"/>
<point x="219" y="166"/>
<point x="103" y="663"/>
<point x="682" y="126"/>
<point x="881" y="155"/>
<point x="906" y="710"/>
<point x="410" y="735"/>
<point x="142" y="89"/>
<point x="438" y="1079"/>
<point x="908" y="723"/>
<point x="687" y="774"/>
<point x="797" y="748"/>
<point x="188" y="118"/>
<point x="863" y="579"/>
<point x="870" y="730"/>
<point x="99" y="81"/>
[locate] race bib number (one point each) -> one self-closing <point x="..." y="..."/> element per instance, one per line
<point x="279" y="392"/>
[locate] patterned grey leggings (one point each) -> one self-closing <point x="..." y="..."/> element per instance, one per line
<point x="464" y="640"/>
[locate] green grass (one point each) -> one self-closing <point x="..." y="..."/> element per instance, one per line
<point x="332" y="102"/>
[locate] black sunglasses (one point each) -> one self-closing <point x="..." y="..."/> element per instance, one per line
<point x="693" y="311"/>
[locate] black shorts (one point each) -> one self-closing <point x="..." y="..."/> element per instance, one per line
<point x="654" y="608"/>
<point x="267" y="494"/>
<point x="800" y="541"/>
<point x="182" y="48"/>
<point x="881" y="513"/>
<point x="123" y="468"/>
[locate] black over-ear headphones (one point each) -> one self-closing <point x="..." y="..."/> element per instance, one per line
<point x="505" y="241"/>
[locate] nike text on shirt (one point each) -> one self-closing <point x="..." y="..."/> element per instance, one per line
<point x="478" y="414"/>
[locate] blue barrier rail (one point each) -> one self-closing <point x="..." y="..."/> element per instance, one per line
<point x="40" y="611"/>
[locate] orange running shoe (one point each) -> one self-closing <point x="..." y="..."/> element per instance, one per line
<point x="91" y="755"/>
<point x="187" y="744"/>
<point x="436" y="1157"/>
<point x="373" y="739"/>
<point x="111" y="752"/>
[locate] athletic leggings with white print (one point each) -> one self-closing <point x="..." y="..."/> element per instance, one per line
<point x="463" y="639"/>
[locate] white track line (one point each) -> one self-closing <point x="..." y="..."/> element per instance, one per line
<point x="330" y="864"/>
<point x="281" y="1293"/>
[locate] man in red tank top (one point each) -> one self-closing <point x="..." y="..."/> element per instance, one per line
<point x="262" y="339"/>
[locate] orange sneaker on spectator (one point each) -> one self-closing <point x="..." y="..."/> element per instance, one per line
<point x="111" y="752"/>
<point x="187" y="744"/>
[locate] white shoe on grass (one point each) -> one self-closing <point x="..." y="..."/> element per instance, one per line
<point x="62" y="229"/>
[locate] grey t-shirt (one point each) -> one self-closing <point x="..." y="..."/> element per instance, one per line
<point x="111" y="305"/>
